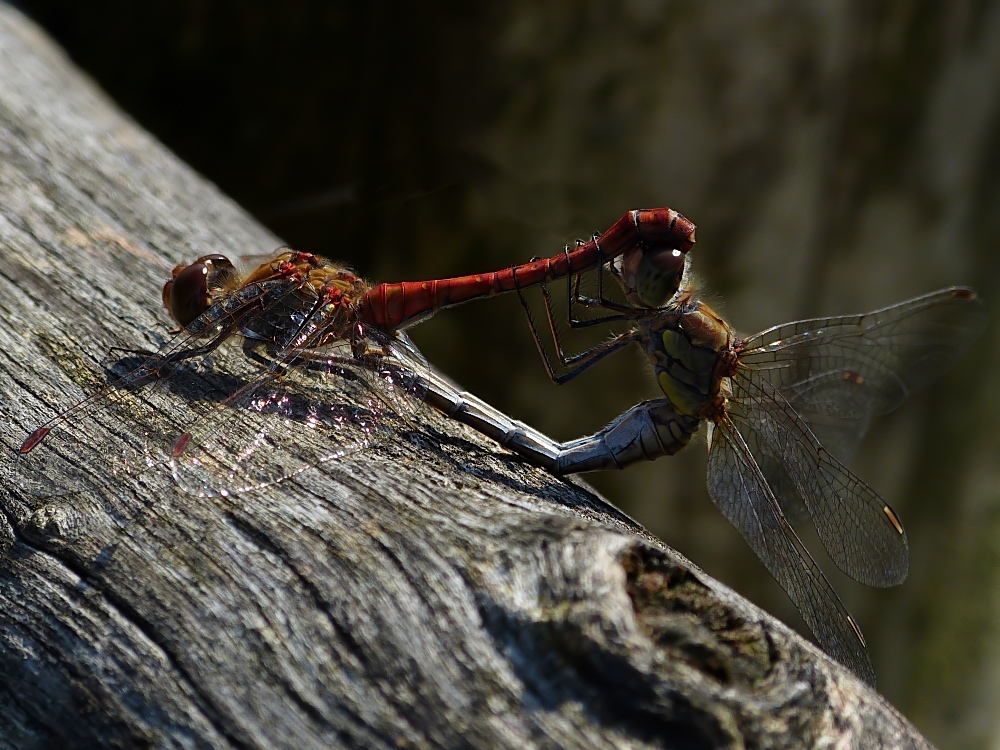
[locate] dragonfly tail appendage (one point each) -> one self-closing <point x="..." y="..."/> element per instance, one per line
<point x="645" y="432"/>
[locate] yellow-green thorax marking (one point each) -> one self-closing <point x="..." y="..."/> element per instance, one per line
<point x="691" y="352"/>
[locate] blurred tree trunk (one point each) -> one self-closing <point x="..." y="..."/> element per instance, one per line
<point x="430" y="592"/>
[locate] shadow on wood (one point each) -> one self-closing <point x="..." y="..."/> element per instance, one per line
<point x="430" y="591"/>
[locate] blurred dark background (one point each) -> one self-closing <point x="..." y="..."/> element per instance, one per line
<point x="835" y="156"/>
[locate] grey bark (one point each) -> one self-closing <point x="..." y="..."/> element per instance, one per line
<point x="429" y="591"/>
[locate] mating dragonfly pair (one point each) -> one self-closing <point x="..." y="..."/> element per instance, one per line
<point x="785" y="408"/>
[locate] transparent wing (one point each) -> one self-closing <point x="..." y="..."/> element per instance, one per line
<point x="861" y="533"/>
<point x="251" y="429"/>
<point x="128" y="426"/>
<point x="739" y="490"/>
<point x="403" y="350"/>
<point x="839" y="372"/>
<point x="121" y="431"/>
<point x="326" y="405"/>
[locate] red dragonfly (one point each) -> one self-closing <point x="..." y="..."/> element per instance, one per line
<point x="303" y="320"/>
<point x="786" y="409"/>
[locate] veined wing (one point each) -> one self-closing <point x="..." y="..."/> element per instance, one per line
<point x="128" y="426"/>
<point x="862" y="534"/>
<point x="739" y="490"/>
<point x="839" y="372"/>
<point x="118" y="433"/>
<point x="202" y="336"/>
<point x="312" y="407"/>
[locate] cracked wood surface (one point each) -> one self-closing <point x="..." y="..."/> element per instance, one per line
<point x="430" y="591"/>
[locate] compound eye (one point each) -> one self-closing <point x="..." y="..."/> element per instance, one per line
<point x="659" y="275"/>
<point x="189" y="293"/>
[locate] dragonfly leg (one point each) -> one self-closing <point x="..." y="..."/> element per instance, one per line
<point x="575" y="298"/>
<point x="620" y="313"/>
<point x="207" y="348"/>
<point x="251" y="351"/>
<point x="577" y="363"/>
<point x="622" y="310"/>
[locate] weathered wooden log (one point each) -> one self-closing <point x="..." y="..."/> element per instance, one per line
<point x="430" y="591"/>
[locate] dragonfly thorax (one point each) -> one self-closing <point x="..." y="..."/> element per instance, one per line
<point x="691" y="353"/>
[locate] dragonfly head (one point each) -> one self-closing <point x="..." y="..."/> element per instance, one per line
<point x="653" y="276"/>
<point x="190" y="292"/>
